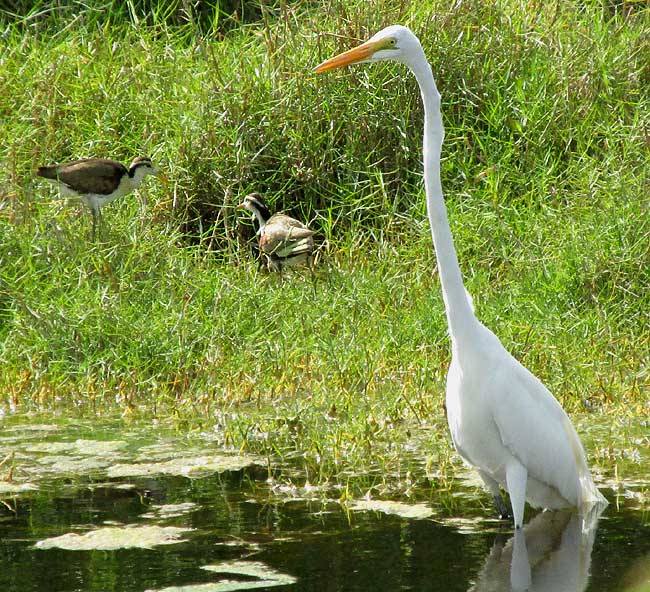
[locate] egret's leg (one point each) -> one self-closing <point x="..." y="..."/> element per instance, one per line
<point x="520" y="576"/>
<point x="516" y="477"/>
<point x="493" y="488"/>
<point x="502" y="507"/>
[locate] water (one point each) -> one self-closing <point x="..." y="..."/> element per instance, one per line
<point x="225" y="527"/>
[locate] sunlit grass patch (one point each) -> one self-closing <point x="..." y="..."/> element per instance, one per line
<point x="168" y="315"/>
<point x="200" y="466"/>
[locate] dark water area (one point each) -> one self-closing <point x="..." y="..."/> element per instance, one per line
<point x="239" y="531"/>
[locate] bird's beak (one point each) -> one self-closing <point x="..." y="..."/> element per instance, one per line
<point x="353" y="56"/>
<point x="158" y="173"/>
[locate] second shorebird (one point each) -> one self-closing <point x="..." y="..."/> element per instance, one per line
<point x="97" y="181"/>
<point x="283" y="240"/>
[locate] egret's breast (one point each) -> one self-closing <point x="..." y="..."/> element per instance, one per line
<point x="471" y="423"/>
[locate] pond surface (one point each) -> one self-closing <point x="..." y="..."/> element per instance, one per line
<point x="119" y="509"/>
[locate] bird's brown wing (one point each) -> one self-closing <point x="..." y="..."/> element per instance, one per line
<point x="92" y="175"/>
<point x="291" y="225"/>
<point x="283" y="234"/>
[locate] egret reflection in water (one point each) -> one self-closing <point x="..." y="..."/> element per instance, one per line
<point x="551" y="554"/>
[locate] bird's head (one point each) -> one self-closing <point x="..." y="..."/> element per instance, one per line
<point x="142" y="166"/>
<point x="256" y="205"/>
<point x="392" y="43"/>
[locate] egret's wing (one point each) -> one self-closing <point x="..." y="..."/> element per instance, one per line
<point x="535" y="428"/>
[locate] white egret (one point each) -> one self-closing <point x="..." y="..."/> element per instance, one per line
<point x="503" y="420"/>
<point x="97" y="181"/>
<point x="283" y="240"/>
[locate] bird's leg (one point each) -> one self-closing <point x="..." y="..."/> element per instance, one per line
<point x="274" y="264"/>
<point x="516" y="477"/>
<point x="502" y="507"/>
<point x="493" y="488"/>
<point x="95" y="214"/>
<point x="258" y="256"/>
<point x="312" y="272"/>
<point x="100" y="222"/>
<point x="520" y="576"/>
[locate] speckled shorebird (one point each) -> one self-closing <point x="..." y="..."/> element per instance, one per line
<point x="97" y="181"/>
<point x="284" y="241"/>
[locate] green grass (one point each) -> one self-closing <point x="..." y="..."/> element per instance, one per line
<point x="545" y="175"/>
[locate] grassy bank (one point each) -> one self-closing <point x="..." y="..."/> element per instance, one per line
<point x="545" y="173"/>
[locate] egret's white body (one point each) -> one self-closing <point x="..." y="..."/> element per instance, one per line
<point x="503" y="420"/>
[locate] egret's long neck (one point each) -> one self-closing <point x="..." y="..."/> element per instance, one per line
<point x="460" y="315"/>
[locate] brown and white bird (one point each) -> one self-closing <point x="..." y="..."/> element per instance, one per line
<point x="284" y="241"/>
<point x="97" y="181"/>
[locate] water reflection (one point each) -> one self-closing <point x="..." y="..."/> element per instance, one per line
<point x="551" y="554"/>
<point x="236" y="523"/>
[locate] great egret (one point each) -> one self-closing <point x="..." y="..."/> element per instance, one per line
<point x="97" y="181"/>
<point x="503" y="420"/>
<point x="284" y="241"/>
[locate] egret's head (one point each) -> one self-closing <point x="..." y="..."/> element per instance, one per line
<point x="392" y="43"/>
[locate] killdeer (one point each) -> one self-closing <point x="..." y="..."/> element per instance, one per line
<point x="284" y="241"/>
<point x="97" y="181"/>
